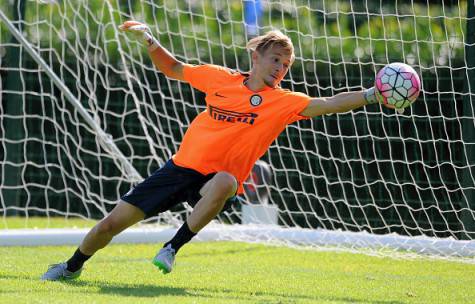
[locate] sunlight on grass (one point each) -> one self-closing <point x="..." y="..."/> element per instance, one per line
<point x="17" y="222"/>
<point x="231" y="272"/>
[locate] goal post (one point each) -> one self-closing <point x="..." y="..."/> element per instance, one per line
<point x="103" y="138"/>
<point x="88" y="116"/>
<point x="469" y="125"/>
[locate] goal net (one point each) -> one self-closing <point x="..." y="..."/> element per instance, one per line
<point x="85" y="116"/>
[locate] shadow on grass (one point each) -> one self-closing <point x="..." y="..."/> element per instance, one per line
<point x="147" y="290"/>
<point x="144" y="290"/>
<point x="130" y="290"/>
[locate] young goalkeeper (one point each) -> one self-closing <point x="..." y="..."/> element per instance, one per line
<point x="245" y="114"/>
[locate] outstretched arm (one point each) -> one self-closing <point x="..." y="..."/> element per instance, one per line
<point x="339" y="103"/>
<point x="161" y="57"/>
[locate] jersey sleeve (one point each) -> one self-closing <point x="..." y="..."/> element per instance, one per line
<point x="203" y="77"/>
<point x="295" y="103"/>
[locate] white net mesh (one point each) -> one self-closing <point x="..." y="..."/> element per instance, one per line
<point x="370" y="170"/>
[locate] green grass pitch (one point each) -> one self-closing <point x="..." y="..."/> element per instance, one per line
<point x="227" y="272"/>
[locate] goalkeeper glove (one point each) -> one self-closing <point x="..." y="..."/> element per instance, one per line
<point x="142" y="32"/>
<point x="372" y="95"/>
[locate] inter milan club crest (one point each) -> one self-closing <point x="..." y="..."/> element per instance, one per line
<point x="256" y="100"/>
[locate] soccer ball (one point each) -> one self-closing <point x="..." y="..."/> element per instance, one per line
<point x="398" y="85"/>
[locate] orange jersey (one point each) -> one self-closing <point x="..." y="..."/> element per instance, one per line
<point x="238" y="125"/>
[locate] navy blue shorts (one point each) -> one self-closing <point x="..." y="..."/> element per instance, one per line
<point x="167" y="187"/>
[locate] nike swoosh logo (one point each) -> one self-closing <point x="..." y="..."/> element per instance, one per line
<point x="219" y="95"/>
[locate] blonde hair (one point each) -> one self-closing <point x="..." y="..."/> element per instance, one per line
<point x="268" y="40"/>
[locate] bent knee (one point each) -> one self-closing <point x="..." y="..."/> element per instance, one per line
<point x="225" y="184"/>
<point x="107" y="227"/>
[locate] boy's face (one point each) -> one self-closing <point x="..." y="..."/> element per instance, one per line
<point x="272" y="66"/>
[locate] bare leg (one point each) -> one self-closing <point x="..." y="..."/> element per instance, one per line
<point x="122" y="216"/>
<point x="214" y="194"/>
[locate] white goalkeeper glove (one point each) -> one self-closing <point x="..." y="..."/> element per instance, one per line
<point x="142" y="32"/>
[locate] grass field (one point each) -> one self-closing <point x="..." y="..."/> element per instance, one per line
<point x="17" y="222"/>
<point x="225" y="272"/>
